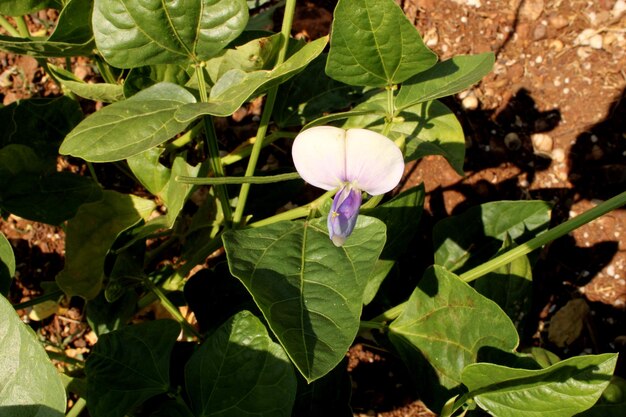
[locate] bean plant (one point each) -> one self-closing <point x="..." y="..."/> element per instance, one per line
<point x="275" y="240"/>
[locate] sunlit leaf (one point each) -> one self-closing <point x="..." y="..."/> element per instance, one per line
<point x="107" y="93"/>
<point x="562" y="390"/>
<point x="374" y="44"/>
<point x="29" y="383"/>
<point x="7" y="265"/>
<point x="240" y="372"/>
<point x="134" y="33"/>
<point x="308" y="289"/>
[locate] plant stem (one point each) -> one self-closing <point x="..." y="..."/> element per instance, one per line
<point x="245" y="149"/>
<point x="172" y="309"/>
<point x="212" y="149"/>
<point x="391" y="109"/>
<point x="46" y="297"/>
<point x="546" y="237"/>
<point x="296" y="213"/>
<point x="9" y="27"/>
<point x="22" y="27"/>
<point x="268" y="179"/>
<point x="77" y="408"/>
<point x="267" y="113"/>
<point x="92" y="171"/>
<point x="64" y="358"/>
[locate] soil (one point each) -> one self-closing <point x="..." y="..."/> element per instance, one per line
<point x="547" y="123"/>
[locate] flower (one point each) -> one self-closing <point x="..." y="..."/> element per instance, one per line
<point x="352" y="161"/>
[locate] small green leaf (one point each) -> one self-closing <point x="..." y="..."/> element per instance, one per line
<point x="473" y="237"/>
<point x="7" y="265"/>
<point x="309" y="290"/>
<point x="240" y="372"/>
<point x="236" y="86"/>
<point x="129" y="366"/>
<point x="562" y="390"/>
<point x="90" y="235"/>
<point x="444" y="79"/>
<point x="447" y="323"/>
<point x="129" y="127"/>
<point x="134" y="33"/>
<point x="107" y="93"/>
<point x="29" y="383"/>
<point x="104" y="316"/>
<point x="71" y="37"/>
<point x="149" y="171"/>
<point x="311" y="94"/>
<point x="373" y="44"/>
<point x="401" y="216"/>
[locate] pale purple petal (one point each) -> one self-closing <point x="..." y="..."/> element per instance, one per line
<point x="373" y="162"/>
<point x="319" y="156"/>
<point x="343" y="214"/>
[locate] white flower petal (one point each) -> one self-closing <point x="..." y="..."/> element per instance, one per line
<point x="319" y="156"/>
<point x="374" y="163"/>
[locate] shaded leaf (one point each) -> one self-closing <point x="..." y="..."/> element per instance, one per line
<point x="129" y="127"/>
<point x="239" y="371"/>
<point x="444" y="78"/>
<point x="141" y="78"/>
<point x="327" y="396"/>
<point x="444" y="323"/>
<point x="374" y="44"/>
<point x="561" y="390"/>
<point x="90" y="235"/>
<point x="107" y="93"/>
<point x="237" y="86"/>
<point x="129" y="366"/>
<point x="22" y="7"/>
<point x="134" y="33"/>
<point x="308" y="289"/>
<point x="7" y="265"/>
<point x="29" y="383"/>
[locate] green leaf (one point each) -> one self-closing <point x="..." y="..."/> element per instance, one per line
<point x="7" y="265"/>
<point x="129" y="366"/>
<point x="510" y="287"/>
<point x="562" y="390"/>
<point x="237" y="86"/>
<point x="129" y="127"/>
<point x="448" y="324"/>
<point x="141" y="78"/>
<point x="149" y="171"/>
<point x="107" y="93"/>
<point x="22" y="7"/>
<point x="311" y="94"/>
<point x="29" y="383"/>
<point x="71" y="37"/>
<point x="104" y="316"/>
<point x="50" y="198"/>
<point x="239" y="371"/>
<point x="134" y="33"/>
<point x="464" y="241"/>
<point x="309" y="290"/>
<point x="90" y="235"/>
<point x="444" y="79"/>
<point x="327" y="396"/>
<point x="401" y="216"/>
<point x="176" y="193"/>
<point x="373" y="44"/>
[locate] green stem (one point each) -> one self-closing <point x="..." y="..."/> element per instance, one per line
<point x="372" y="202"/>
<point x="267" y="113"/>
<point x="212" y="149"/>
<point x="372" y="325"/>
<point x="77" y="408"/>
<point x="243" y="151"/>
<point x="546" y="237"/>
<point x="46" y="297"/>
<point x="22" y="27"/>
<point x="268" y="179"/>
<point x="105" y="70"/>
<point x="57" y="356"/>
<point x="391" y="314"/>
<point x="9" y="27"/>
<point x="172" y="309"/>
<point x="92" y="171"/>
<point x="296" y="213"/>
<point x="391" y="109"/>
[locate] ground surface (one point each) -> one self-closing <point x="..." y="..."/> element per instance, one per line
<point x="548" y="123"/>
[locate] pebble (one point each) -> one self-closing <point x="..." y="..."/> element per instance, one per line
<point x="542" y="142"/>
<point x="470" y="103"/>
<point x="558" y="22"/>
<point x="558" y="155"/>
<point x="596" y="41"/>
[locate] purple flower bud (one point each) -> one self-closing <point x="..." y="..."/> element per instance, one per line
<point x="343" y="214"/>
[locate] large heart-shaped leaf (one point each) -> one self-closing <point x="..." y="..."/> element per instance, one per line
<point x="447" y="323"/>
<point x="240" y="372"/>
<point x="129" y="366"/>
<point x="29" y="383"/>
<point x="473" y="237"/>
<point x="308" y="289"/>
<point x="237" y="86"/>
<point x="373" y="44"/>
<point x="90" y="235"/>
<point x="129" y="127"/>
<point x="134" y="33"/>
<point x="7" y="265"/>
<point x="71" y="37"/>
<point x="444" y="79"/>
<point x="561" y="390"/>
